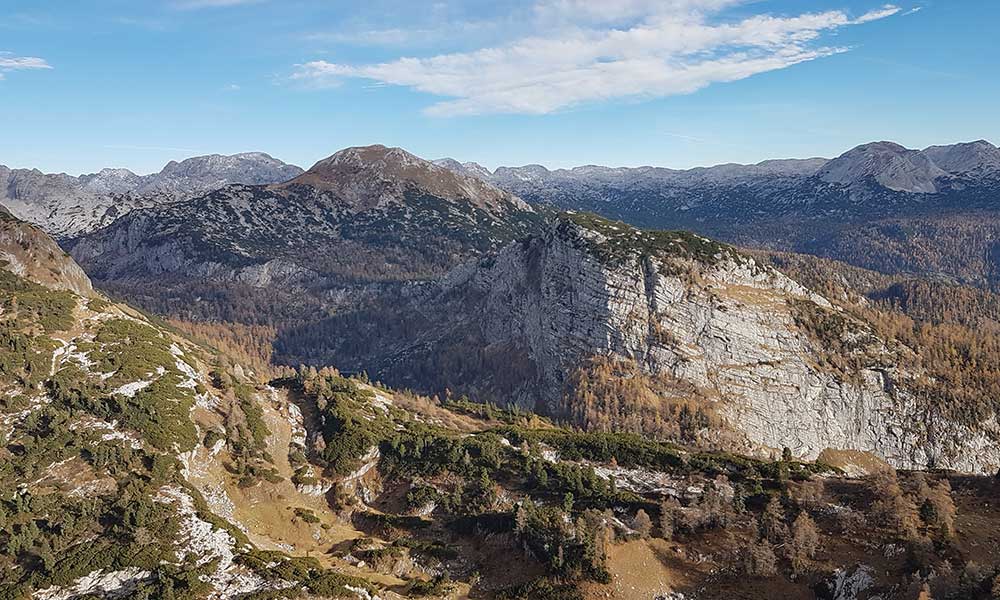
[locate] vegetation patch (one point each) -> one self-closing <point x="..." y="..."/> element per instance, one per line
<point x="622" y="242"/>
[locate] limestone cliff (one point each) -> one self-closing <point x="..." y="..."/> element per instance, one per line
<point x="780" y="365"/>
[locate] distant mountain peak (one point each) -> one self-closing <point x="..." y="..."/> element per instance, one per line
<point x="368" y="175"/>
<point x="391" y="160"/>
<point x="253" y="168"/>
<point x="472" y="169"/>
<point x="889" y="164"/>
<point x="979" y="156"/>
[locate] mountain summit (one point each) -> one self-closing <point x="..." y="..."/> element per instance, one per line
<point x="977" y="157"/>
<point x="890" y="165"/>
<point x="372" y="175"/>
<point x="362" y="216"/>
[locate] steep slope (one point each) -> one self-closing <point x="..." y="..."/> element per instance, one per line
<point x="608" y="326"/>
<point x="66" y="206"/>
<point x="357" y="222"/>
<point x="101" y="413"/>
<point x="33" y="255"/>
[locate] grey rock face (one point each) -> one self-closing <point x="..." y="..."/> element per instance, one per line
<point x="891" y="165"/>
<point x="976" y="158"/>
<point x="723" y="324"/>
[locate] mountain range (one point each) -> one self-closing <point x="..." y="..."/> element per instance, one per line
<point x="871" y="206"/>
<point x="429" y="276"/>
<point x="66" y="206"/>
<point x="886" y="164"/>
<point x="564" y="377"/>
<point x="881" y="206"/>
<point x="361" y="221"/>
<point x="426" y="277"/>
<point x="901" y="177"/>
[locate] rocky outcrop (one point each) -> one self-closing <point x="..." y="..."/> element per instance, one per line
<point x="30" y="253"/>
<point x="101" y="584"/>
<point x="847" y="585"/>
<point x="701" y="314"/>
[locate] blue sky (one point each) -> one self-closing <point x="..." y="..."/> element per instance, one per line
<point x="679" y="83"/>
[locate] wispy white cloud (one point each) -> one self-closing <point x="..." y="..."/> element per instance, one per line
<point x="887" y="11"/>
<point x="599" y="51"/>
<point x="621" y="11"/>
<point x="9" y="62"/>
<point x="685" y="137"/>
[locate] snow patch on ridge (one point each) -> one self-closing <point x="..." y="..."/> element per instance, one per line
<point x="202" y="541"/>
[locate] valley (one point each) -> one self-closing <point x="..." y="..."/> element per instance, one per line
<point x="519" y="300"/>
<point x="386" y="377"/>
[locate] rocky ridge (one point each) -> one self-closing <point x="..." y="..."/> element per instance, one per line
<point x="887" y="164"/>
<point x="66" y="206"/>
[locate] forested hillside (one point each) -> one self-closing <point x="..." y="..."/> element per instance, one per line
<point x="179" y="478"/>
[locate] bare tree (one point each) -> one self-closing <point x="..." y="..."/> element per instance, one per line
<point x="642" y="524"/>
<point x="804" y="542"/>
<point x="891" y="507"/>
<point x="759" y="560"/>
<point x="772" y="522"/>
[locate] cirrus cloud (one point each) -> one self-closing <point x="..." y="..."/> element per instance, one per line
<point x="603" y="51"/>
<point x="9" y="62"/>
